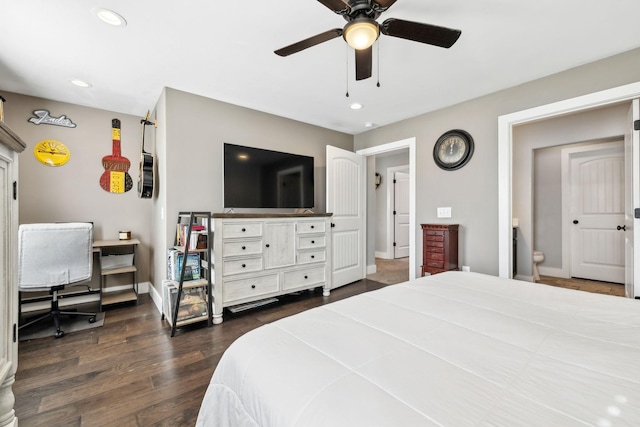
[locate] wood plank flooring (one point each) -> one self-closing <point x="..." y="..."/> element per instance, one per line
<point x="130" y="372"/>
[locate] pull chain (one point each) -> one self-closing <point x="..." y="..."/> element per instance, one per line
<point x="378" y="60"/>
<point x="346" y="68"/>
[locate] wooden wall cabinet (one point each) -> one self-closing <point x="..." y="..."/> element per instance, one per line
<point x="439" y="248"/>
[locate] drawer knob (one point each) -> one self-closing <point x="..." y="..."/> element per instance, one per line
<point x="244" y="265"/>
<point x="313" y="226"/>
<point x="244" y="247"/>
<point x="313" y="242"/>
<point x="306" y="277"/>
<point x="313" y="256"/>
<point x="267" y="245"/>
<point x="253" y="286"/>
<point x="244" y="229"/>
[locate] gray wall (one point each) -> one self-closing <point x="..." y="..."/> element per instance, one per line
<point x="472" y="191"/>
<point x="190" y="140"/>
<point x="72" y="192"/>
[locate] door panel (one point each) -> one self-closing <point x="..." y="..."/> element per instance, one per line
<point x="401" y="217"/>
<point x="598" y="206"/>
<point x="346" y="174"/>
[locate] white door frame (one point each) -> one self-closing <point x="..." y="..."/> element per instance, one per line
<point x="409" y="143"/>
<point x="505" y="152"/>
<point x="390" y="220"/>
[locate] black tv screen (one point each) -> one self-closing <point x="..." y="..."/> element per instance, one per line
<point x="259" y="178"/>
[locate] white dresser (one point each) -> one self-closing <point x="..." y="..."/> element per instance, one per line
<point x="263" y="256"/>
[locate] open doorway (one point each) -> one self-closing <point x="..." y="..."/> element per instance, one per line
<point x="392" y="216"/>
<point x="385" y="159"/>
<point x="511" y="190"/>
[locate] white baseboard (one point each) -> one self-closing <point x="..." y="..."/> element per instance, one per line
<point x="372" y="269"/>
<point x="156" y="297"/>
<point x="383" y="255"/>
<point x="524" y="278"/>
<point x="551" y="271"/>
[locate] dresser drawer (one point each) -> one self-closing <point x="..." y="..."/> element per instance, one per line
<point x="311" y="227"/>
<point x="303" y="278"/>
<point x="235" y="290"/>
<point x="312" y="256"/>
<point x="310" y="242"/>
<point x="239" y="266"/>
<point x="432" y="244"/>
<point x="435" y="263"/>
<point x="434" y="256"/>
<point x="246" y="229"/>
<point x="434" y="238"/>
<point x="435" y="250"/>
<point x="242" y="247"/>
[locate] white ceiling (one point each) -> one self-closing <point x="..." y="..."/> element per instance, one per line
<point x="224" y="50"/>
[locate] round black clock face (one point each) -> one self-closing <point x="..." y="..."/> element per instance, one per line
<point x="453" y="149"/>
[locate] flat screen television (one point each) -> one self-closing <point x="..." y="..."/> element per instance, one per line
<point x="259" y="178"/>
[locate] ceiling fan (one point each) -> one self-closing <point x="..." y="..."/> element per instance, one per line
<point x="362" y="31"/>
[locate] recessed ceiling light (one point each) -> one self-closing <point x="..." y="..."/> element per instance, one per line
<point x="368" y="124"/>
<point x="110" y="17"/>
<point x="80" y="83"/>
<point x="356" y="106"/>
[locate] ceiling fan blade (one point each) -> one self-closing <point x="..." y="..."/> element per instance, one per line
<point x="385" y="4"/>
<point x="364" y="61"/>
<point x="337" y="6"/>
<point x="423" y="33"/>
<point x="311" y="41"/>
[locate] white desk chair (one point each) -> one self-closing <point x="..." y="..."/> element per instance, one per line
<point x="51" y="257"/>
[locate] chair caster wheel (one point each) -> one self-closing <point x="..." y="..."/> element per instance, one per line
<point x="59" y="334"/>
<point x="92" y="319"/>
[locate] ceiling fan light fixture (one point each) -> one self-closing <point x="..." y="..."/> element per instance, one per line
<point x="361" y="33"/>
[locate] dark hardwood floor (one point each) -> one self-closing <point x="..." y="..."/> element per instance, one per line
<point x="130" y="372"/>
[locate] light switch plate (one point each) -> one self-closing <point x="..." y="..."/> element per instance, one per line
<point x="444" y="212"/>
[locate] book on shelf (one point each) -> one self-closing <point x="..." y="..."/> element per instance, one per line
<point x="193" y="302"/>
<point x="175" y="260"/>
<point x="197" y="239"/>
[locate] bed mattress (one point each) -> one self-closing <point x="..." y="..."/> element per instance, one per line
<point x="453" y="349"/>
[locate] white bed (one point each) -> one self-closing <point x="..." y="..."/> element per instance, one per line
<point x="454" y="349"/>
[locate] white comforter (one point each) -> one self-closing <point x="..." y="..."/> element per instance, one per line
<point x="454" y="349"/>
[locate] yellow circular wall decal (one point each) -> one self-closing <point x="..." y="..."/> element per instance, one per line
<point x="51" y="153"/>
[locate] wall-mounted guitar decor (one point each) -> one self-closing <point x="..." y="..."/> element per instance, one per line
<point x="146" y="178"/>
<point x="43" y="117"/>
<point x="115" y="178"/>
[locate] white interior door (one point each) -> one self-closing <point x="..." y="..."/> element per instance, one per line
<point x="401" y="215"/>
<point x="598" y="215"/>
<point x="346" y="175"/>
<point x="632" y="173"/>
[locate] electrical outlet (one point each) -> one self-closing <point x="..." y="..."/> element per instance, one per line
<point x="444" y="212"/>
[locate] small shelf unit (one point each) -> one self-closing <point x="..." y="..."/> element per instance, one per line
<point x="171" y="308"/>
<point x="120" y="248"/>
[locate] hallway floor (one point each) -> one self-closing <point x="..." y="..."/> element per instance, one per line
<point x="607" y="288"/>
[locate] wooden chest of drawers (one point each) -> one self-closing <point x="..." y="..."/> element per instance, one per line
<point x="439" y="248"/>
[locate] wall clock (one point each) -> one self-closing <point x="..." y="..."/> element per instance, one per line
<point x="453" y="149"/>
<point x="51" y="153"/>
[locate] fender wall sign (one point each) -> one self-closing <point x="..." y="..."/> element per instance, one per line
<point x="44" y="118"/>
